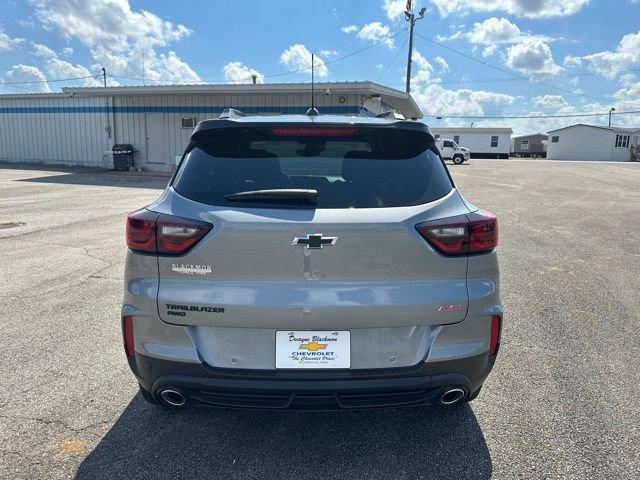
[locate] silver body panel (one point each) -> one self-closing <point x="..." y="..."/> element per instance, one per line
<point x="389" y="304"/>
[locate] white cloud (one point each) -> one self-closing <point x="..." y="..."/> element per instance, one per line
<point x="26" y="23"/>
<point x="67" y="51"/>
<point x="533" y="57"/>
<point x="376" y="32"/>
<point x="435" y="99"/>
<point x="350" y="28"/>
<point x="444" y="66"/>
<point x="571" y="61"/>
<point x="42" y="51"/>
<point x="158" y="67"/>
<point x="422" y="74"/>
<point x="549" y="101"/>
<point x="7" y="42"/>
<point x="454" y="36"/>
<point x="494" y="30"/>
<point x="237" y="72"/>
<point x="108" y="22"/>
<point x="611" y="63"/>
<point x="298" y="57"/>
<point x="57" y="68"/>
<point x="522" y="8"/>
<point x="628" y="79"/>
<point x="119" y="37"/>
<point x="329" y="53"/>
<point x="394" y="8"/>
<point x="489" y="50"/>
<point x="36" y="80"/>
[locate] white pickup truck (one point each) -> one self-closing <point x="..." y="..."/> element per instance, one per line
<point x="450" y="150"/>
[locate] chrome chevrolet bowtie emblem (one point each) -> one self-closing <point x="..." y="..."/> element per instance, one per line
<point x="316" y="240"/>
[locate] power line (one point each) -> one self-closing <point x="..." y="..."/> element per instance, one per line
<point x="386" y="70"/>
<point x="48" y="81"/>
<point x="514" y="79"/>
<point x="495" y="67"/>
<point x="503" y="70"/>
<point x="508" y="117"/>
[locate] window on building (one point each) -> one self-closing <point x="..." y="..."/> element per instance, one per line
<point x="555" y="139"/>
<point x="524" y="144"/>
<point x="494" y="141"/>
<point x="456" y="138"/>
<point x="189" y="122"/>
<point x="622" y="141"/>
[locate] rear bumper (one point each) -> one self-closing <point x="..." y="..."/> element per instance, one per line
<point x="280" y="390"/>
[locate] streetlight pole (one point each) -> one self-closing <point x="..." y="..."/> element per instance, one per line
<point x="412" y="19"/>
<point x="610" y="113"/>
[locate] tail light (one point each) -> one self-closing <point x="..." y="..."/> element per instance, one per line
<point x="313" y="131"/>
<point x="127" y="335"/>
<point x="165" y="234"/>
<point x="472" y="233"/>
<point x="494" y="340"/>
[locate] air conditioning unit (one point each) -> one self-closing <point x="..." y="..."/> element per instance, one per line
<point x="189" y="122"/>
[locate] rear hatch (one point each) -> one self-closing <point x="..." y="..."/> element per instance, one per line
<point x="328" y="242"/>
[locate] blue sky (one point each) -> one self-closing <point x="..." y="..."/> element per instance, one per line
<point x="585" y="52"/>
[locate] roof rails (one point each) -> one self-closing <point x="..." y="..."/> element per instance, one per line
<point x="391" y="115"/>
<point x="231" y="113"/>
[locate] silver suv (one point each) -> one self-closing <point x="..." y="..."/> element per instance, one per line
<point x="311" y="262"/>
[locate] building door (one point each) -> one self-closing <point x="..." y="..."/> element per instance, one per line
<point x="157" y="145"/>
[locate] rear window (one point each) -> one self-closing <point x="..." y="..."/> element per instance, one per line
<point x="349" y="168"/>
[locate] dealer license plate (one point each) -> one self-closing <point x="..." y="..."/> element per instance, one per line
<point x="313" y="349"/>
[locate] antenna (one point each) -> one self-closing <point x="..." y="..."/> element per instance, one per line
<point x="312" y="112"/>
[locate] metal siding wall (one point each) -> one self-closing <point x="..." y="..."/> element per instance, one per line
<point x="53" y="138"/>
<point x="79" y="138"/>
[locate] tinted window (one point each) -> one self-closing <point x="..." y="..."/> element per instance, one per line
<point x="366" y="169"/>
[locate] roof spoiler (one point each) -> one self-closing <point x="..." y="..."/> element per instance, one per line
<point x="391" y="115"/>
<point x="229" y="113"/>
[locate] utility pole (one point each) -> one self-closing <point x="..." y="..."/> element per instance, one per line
<point x="611" y="110"/>
<point x="107" y="129"/>
<point x="412" y="19"/>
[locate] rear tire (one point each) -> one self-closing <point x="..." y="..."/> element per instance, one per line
<point x="458" y="160"/>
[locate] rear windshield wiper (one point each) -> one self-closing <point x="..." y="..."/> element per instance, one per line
<point x="276" y="195"/>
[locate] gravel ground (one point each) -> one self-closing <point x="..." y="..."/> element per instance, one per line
<point x="562" y="401"/>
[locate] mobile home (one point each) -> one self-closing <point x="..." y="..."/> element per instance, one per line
<point x="530" y="146"/>
<point x="483" y="142"/>
<point x="591" y="142"/>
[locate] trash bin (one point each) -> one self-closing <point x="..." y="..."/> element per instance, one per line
<point x="122" y="156"/>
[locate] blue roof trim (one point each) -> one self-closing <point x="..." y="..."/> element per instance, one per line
<point x="183" y="109"/>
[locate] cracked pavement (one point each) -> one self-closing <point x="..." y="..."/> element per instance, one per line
<point x="562" y="402"/>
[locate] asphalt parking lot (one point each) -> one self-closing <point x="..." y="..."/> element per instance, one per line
<point x="563" y="401"/>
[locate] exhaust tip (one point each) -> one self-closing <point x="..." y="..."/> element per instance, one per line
<point x="172" y="398"/>
<point x="452" y="396"/>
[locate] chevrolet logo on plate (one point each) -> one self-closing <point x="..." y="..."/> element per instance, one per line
<point x="312" y="346"/>
<point x="316" y="240"/>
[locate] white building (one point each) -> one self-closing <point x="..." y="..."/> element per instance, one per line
<point x="483" y="142"/>
<point x="590" y="142"/>
<point x="80" y="125"/>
